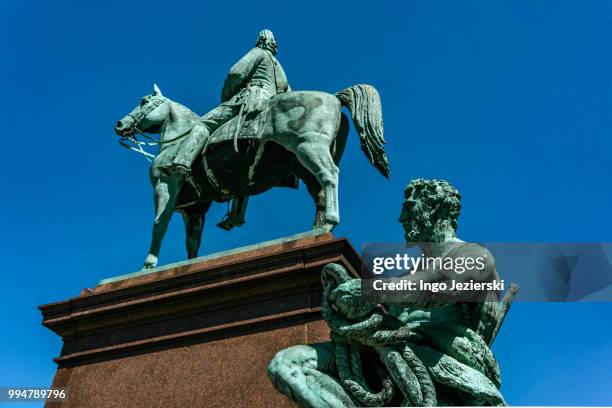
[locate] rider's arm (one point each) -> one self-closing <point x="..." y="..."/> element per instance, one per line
<point x="240" y="73"/>
<point x="282" y="85"/>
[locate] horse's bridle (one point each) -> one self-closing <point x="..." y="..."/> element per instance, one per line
<point x="153" y="102"/>
<point x="130" y="132"/>
<point x="133" y="129"/>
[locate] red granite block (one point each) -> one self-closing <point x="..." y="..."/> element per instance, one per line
<point x="197" y="334"/>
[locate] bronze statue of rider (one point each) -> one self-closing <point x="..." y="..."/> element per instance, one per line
<point x="250" y="83"/>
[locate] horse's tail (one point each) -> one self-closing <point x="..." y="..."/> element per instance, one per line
<point x="364" y="103"/>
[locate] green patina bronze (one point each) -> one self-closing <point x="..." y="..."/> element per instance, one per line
<point x="263" y="135"/>
<point x="415" y="353"/>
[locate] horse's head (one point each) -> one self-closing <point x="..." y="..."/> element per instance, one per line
<point x="148" y="116"/>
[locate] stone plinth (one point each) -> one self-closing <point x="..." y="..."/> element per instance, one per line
<point x="198" y="333"/>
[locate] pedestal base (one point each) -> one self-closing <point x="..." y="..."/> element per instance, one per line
<point x="198" y="333"/>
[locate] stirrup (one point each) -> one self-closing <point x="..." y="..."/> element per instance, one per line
<point x="228" y="223"/>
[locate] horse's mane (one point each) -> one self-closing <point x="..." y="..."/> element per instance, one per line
<point x="184" y="109"/>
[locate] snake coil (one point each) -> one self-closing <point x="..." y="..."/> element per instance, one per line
<point x="403" y="368"/>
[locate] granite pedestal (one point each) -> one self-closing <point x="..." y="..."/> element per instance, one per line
<point x="198" y="333"/>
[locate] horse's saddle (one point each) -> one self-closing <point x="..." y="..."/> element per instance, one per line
<point x="251" y="127"/>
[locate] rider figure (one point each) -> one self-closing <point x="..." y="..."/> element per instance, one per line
<point x="251" y="82"/>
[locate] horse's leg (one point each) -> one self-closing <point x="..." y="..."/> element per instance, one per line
<point x="341" y="139"/>
<point x="314" y="154"/>
<point x="165" y="193"/>
<point x="194" y="218"/>
<point x="318" y="195"/>
<point x="337" y="151"/>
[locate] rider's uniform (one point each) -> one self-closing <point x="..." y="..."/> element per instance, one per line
<point x="251" y="82"/>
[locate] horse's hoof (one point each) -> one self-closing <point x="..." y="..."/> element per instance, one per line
<point x="328" y="227"/>
<point x="150" y="262"/>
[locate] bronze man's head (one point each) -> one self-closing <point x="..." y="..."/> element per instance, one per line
<point x="430" y="210"/>
<point x="266" y="40"/>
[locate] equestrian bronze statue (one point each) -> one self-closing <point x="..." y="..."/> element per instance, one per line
<point x="267" y="138"/>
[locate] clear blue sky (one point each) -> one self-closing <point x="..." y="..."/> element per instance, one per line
<point x="508" y="100"/>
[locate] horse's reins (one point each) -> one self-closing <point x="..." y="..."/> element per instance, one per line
<point x="134" y="130"/>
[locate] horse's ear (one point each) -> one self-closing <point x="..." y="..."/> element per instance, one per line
<point x="156" y="90"/>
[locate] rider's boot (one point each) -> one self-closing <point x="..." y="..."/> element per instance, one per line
<point x="188" y="150"/>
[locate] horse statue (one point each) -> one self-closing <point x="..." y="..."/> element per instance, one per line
<point x="309" y="132"/>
